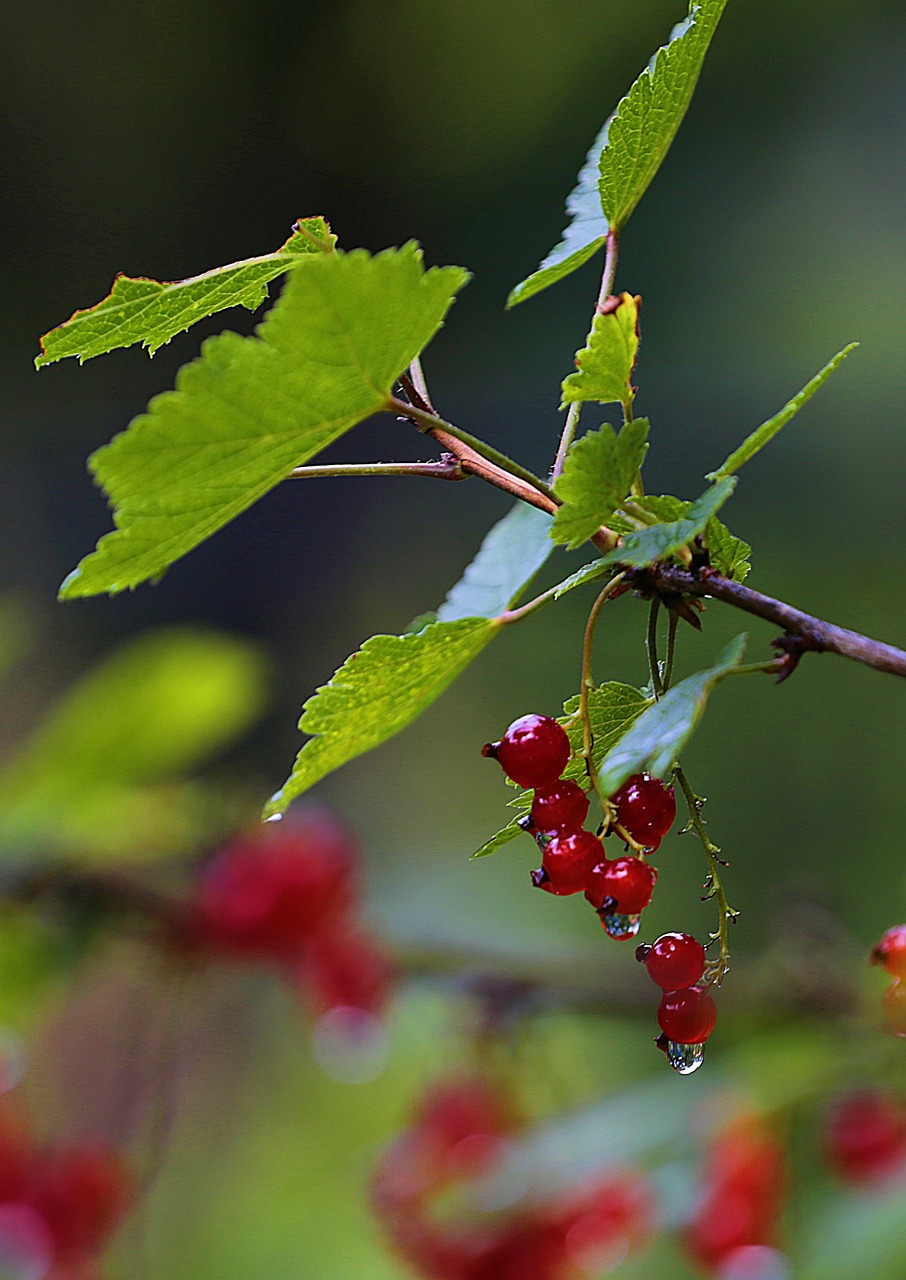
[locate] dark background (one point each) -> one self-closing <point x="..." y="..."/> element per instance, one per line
<point x="162" y="139"/>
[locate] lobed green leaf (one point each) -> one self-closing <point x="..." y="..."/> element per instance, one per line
<point x="598" y="474"/>
<point x="654" y="742"/>
<point x="661" y="541"/>
<point x="645" y="122"/>
<point x="379" y="690"/>
<point x="728" y="554"/>
<point x="612" y="708"/>
<point x="152" y="312"/>
<point x="507" y="560"/>
<point x="249" y="410"/>
<point x="608" y="358"/>
<point x="762" y="435"/>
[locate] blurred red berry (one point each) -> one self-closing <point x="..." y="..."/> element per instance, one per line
<point x="344" y="967"/>
<point x="82" y="1193"/>
<point x="864" y="1137"/>
<point x="894" y="1004"/>
<point x="743" y="1195"/>
<point x="266" y="891"/>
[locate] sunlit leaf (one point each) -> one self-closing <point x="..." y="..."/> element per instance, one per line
<point x="598" y="474"/>
<point x="249" y="410"/>
<point x="608" y="358"/>
<point x="152" y="312"/>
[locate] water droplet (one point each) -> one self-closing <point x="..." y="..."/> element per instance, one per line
<point x="685" y="1058"/>
<point x="274" y="817"/>
<point x="620" y="927"/>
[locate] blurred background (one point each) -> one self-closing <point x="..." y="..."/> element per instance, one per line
<point x="165" y="139"/>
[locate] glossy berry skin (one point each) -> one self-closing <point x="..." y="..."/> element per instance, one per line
<point x="568" y="860"/>
<point x="864" y="1138"/>
<point x="688" y="1016"/>
<point x="890" y="951"/>
<point x="628" y="882"/>
<point x="562" y="807"/>
<point x="534" y="751"/>
<point x="675" y="961"/>
<point x="645" y="809"/>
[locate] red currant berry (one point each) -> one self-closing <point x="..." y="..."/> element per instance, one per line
<point x="561" y="808"/>
<point x="645" y="809"/>
<point x="345" y="968"/>
<point x="864" y="1138"/>
<point x="895" y="1008"/>
<point x="568" y="860"/>
<point x="82" y="1193"/>
<point x="890" y="951"/>
<point x="627" y="882"/>
<point x="675" y="961"/>
<point x="534" y="751"/>
<point x="687" y="1016"/>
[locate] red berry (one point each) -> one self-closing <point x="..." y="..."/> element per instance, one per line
<point x="895" y="1008"/>
<point x="645" y="809"/>
<point x="344" y="968"/>
<point x="82" y="1194"/>
<point x="534" y="751"/>
<point x="864" y="1138"/>
<point x="268" y="890"/>
<point x="674" y="961"/>
<point x="629" y="882"/>
<point x="568" y="860"/>
<point x="743" y="1196"/>
<point x="890" y="951"/>
<point x="687" y="1016"/>
<point x="562" y="807"/>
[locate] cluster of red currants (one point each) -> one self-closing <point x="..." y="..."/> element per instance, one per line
<point x="59" y="1206"/>
<point x="459" y="1135"/>
<point x="735" y="1226"/>
<point x="890" y="951"/>
<point x="534" y="752"/>
<point x="286" y="894"/>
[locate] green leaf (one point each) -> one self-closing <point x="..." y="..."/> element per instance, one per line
<point x="762" y="435"/>
<point x="507" y="560"/>
<point x="497" y="841"/>
<point x="612" y="709"/>
<point x="727" y="554"/>
<point x="607" y="360"/>
<point x="152" y="312"/>
<point x="657" y="737"/>
<point x="646" y="120"/>
<point x="378" y="691"/>
<point x="158" y="707"/>
<point x="591" y="572"/>
<point x="599" y="471"/>
<point x="249" y="410"/>
<point x="585" y="235"/>
<point x="660" y="541"/>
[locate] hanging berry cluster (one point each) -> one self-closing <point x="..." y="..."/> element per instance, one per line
<point x="286" y="894"/>
<point x="59" y="1205"/>
<point x="534" y="753"/>
<point x="461" y="1131"/>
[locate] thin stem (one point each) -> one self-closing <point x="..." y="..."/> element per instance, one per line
<point x="531" y="606"/>
<point x="430" y="422"/>
<point x="713" y="886"/>
<point x="587" y="684"/>
<point x="417" y="378"/>
<point x="772" y="667"/>
<point x="566" y="439"/>
<point x="671" y="649"/>
<point x="447" y="468"/>
<point x="802" y="632"/>
<point x="654" y="666"/>
<point x="610" y="268"/>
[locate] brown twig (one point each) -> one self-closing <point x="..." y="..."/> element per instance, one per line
<point x="802" y="632"/>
